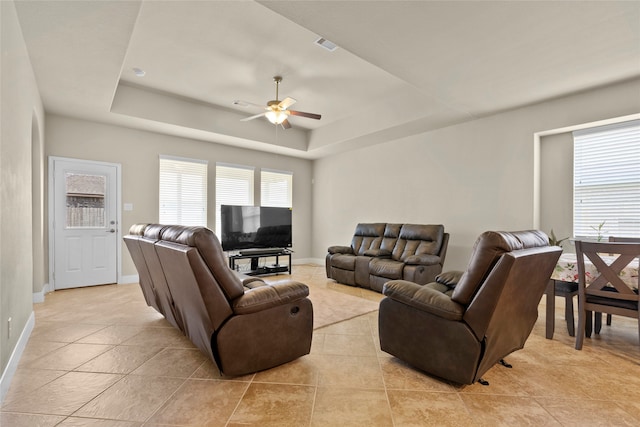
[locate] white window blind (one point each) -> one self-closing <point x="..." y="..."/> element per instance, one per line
<point x="607" y="181"/>
<point x="234" y="186"/>
<point x="276" y="188"/>
<point x="183" y="191"/>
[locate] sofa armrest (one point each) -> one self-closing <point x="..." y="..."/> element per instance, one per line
<point x="377" y="253"/>
<point x="423" y="259"/>
<point x="268" y="296"/>
<point x="423" y="298"/>
<point x="249" y="281"/>
<point x="340" y="250"/>
<point x="449" y="278"/>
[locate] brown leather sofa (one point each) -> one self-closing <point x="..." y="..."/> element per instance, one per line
<point x="243" y="324"/>
<point x="380" y="252"/>
<point x="462" y="324"/>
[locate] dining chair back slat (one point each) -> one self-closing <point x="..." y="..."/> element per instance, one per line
<point x="607" y="292"/>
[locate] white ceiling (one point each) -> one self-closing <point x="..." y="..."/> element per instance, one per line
<point x="402" y="67"/>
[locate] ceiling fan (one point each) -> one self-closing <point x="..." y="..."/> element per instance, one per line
<point x="277" y="112"/>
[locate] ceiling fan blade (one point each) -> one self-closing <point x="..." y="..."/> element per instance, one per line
<point x="246" y="119"/>
<point x="241" y="103"/>
<point x="307" y="115"/>
<point x="286" y="103"/>
<point x="286" y="124"/>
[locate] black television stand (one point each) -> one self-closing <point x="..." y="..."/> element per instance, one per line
<point x="255" y="255"/>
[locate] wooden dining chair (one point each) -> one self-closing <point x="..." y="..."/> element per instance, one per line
<point x="598" y="316"/>
<point x="607" y="292"/>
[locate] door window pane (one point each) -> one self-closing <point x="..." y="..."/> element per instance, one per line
<point x="85" y="200"/>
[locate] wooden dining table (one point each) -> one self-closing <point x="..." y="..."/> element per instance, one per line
<point x="564" y="281"/>
<point x="567" y="270"/>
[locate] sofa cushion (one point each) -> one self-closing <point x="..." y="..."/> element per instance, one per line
<point x="345" y="262"/>
<point x="417" y="239"/>
<point x="367" y="236"/>
<point x="391" y="233"/>
<point x="489" y="247"/>
<point x="425" y="298"/>
<point x="377" y="253"/>
<point x="384" y="267"/>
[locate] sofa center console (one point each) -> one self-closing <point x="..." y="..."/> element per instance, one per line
<point x="255" y="254"/>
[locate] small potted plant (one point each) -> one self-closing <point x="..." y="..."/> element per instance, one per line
<point x="600" y="232"/>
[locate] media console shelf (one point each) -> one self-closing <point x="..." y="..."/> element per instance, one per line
<point x="255" y="256"/>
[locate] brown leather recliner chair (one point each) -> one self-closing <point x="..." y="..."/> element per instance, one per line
<point x="243" y="324"/>
<point x="458" y="327"/>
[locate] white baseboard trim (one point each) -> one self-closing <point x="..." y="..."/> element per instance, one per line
<point x="301" y="261"/>
<point x="126" y="280"/>
<point x="38" y="297"/>
<point x="12" y="366"/>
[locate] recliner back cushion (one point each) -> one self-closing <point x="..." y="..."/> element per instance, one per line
<point x="211" y="252"/>
<point x="367" y="236"/>
<point x="391" y="233"/>
<point x="153" y="231"/>
<point x="415" y="239"/>
<point x="489" y="247"/>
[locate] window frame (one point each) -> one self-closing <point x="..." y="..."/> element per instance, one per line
<point x="187" y="172"/>
<point x="606" y="181"/>
<point x="274" y="197"/>
<point x="221" y="196"/>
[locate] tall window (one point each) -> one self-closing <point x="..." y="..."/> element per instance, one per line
<point x="234" y="186"/>
<point x="276" y="188"/>
<point x="607" y="181"/>
<point x="183" y="191"/>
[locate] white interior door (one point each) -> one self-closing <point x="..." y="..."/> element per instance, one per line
<point x="85" y="223"/>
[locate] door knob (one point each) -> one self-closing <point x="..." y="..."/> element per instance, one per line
<point x="112" y="230"/>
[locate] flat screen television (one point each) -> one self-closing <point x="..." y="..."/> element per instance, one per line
<point x="253" y="227"/>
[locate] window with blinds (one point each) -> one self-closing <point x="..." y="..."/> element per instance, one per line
<point x="183" y="191"/>
<point x="234" y="186"/>
<point x="607" y="181"/>
<point x="276" y="188"/>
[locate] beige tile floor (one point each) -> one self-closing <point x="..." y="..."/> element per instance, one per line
<point x="100" y="357"/>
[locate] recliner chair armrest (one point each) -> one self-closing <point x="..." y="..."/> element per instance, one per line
<point x="268" y="296"/>
<point x="249" y="281"/>
<point x="423" y="298"/>
<point x="340" y="250"/>
<point x="449" y="278"/>
<point x="423" y="259"/>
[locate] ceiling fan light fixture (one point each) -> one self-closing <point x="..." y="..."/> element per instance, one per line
<point x="276" y="116"/>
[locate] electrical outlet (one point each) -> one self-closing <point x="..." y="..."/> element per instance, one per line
<point x="9" y="326"/>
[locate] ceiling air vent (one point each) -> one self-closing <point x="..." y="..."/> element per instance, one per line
<point x="322" y="42"/>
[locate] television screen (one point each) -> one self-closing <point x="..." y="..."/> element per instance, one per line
<point x="248" y="227"/>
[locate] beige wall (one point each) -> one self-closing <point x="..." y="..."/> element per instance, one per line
<point x="21" y="127"/>
<point x="471" y="177"/>
<point x="138" y="151"/>
<point x="556" y="186"/>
